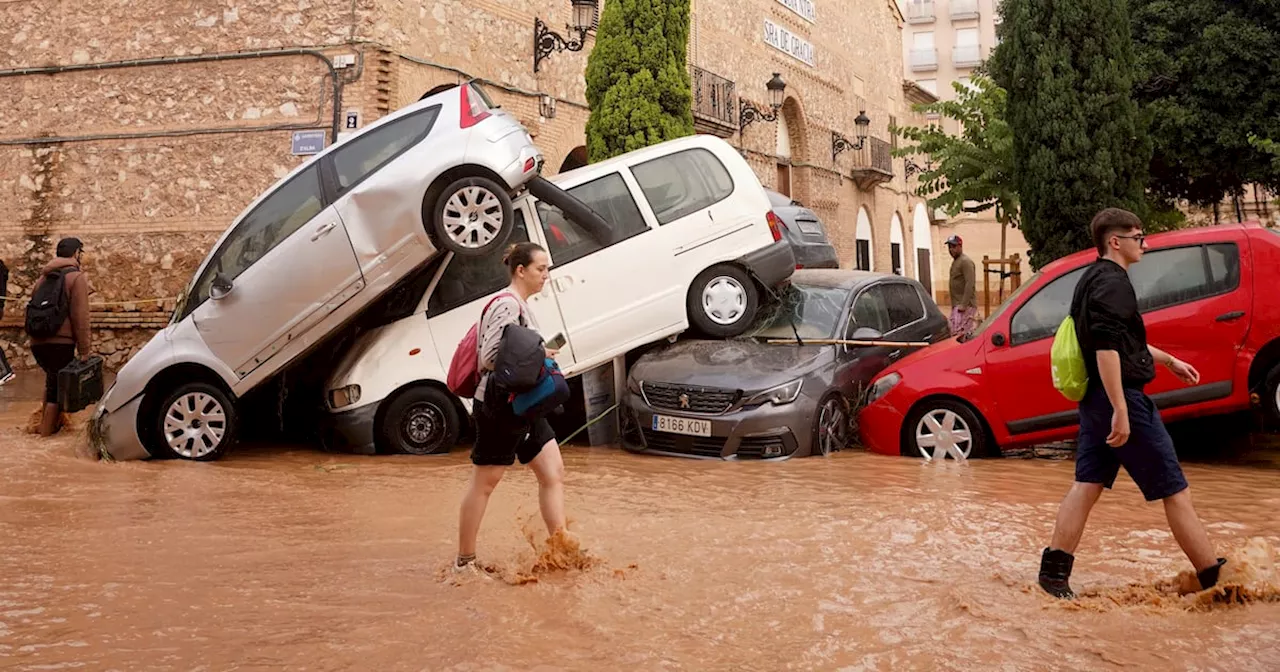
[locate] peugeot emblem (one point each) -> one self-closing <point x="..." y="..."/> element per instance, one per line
<point x="684" y="401"/>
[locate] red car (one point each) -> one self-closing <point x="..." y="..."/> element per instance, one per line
<point x="1203" y="294"/>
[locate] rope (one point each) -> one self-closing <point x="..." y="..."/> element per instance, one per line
<point x="598" y="418"/>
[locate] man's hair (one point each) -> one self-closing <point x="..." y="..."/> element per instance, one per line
<point x="67" y="247"/>
<point x="1109" y="222"/>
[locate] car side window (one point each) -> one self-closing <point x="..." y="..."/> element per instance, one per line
<point x="870" y="310"/>
<point x="610" y="198"/>
<point x="466" y="279"/>
<point x="1177" y="275"/>
<point x="1224" y="267"/>
<point x="360" y="157"/>
<point x="1043" y="313"/>
<point x="903" y="302"/>
<point x="680" y="184"/>
<point x="276" y="218"/>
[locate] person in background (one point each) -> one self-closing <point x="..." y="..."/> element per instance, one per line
<point x="964" y="290"/>
<point x="53" y="353"/>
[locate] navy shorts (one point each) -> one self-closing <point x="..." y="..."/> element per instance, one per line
<point x="1148" y="456"/>
<point x="502" y="436"/>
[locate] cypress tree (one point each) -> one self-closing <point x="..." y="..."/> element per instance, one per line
<point x="1079" y="141"/>
<point x="637" y="80"/>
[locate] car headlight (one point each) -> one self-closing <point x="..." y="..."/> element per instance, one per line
<point x="881" y="387"/>
<point x="780" y="395"/>
<point x="344" y="396"/>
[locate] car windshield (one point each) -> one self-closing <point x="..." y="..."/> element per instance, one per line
<point x="816" y="312"/>
<point x="995" y="314"/>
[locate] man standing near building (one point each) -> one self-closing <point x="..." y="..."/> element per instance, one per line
<point x="58" y="323"/>
<point x="964" y="290"/>
<point x="1119" y="424"/>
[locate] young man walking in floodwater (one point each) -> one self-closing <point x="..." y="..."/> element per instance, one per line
<point x="964" y="289"/>
<point x="1119" y="424"/>
<point x="501" y="435"/>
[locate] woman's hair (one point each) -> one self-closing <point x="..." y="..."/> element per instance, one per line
<point x="520" y="254"/>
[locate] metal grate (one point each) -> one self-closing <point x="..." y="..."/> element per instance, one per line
<point x="713" y="96"/>
<point x="758" y="447"/>
<point x="685" y="445"/>
<point x="690" y="399"/>
<point x="881" y="155"/>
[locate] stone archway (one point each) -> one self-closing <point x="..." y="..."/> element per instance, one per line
<point x="576" y="158"/>
<point x="791" y="148"/>
<point x="897" y="262"/>
<point x="922" y="236"/>
<point x="864" y="246"/>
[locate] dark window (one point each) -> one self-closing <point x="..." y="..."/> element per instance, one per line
<point x="1169" y="277"/>
<point x="871" y="310"/>
<point x="863" y="262"/>
<point x="610" y="198"/>
<point x="1041" y="315"/>
<point x="466" y="279"/>
<point x="924" y="264"/>
<point x="680" y="184"/>
<point x="903" y="302"/>
<point x="895" y="251"/>
<point x="360" y="157"/>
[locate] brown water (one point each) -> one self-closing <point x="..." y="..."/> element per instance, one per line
<point x="291" y="558"/>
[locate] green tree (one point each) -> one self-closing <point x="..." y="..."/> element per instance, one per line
<point x="973" y="171"/>
<point x="637" y="79"/>
<point x="1079" y="142"/>
<point x="1207" y="81"/>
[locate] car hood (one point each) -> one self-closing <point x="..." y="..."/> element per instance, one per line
<point x="946" y="355"/>
<point x="740" y="365"/>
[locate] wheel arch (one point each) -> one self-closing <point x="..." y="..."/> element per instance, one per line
<point x="380" y="416"/>
<point x="167" y="380"/>
<point x="448" y="177"/>
<point x="1264" y="360"/>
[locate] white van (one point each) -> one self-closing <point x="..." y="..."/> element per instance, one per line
<point x="694" y="243"/>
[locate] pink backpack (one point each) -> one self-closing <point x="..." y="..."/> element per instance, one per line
<point x="464" y="370"/>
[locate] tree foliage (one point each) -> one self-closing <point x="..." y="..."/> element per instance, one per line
<point x="1079" y="142"/>
<point x="637" y="81"/>
<point x="973" y="171"/>
<point x="1207" y="80"/>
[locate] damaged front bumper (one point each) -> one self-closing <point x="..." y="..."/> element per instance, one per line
<point x="114" y="435"/>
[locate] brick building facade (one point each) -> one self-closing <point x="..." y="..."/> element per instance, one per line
<point x="146" y="128"/>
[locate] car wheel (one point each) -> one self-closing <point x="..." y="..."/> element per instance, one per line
<point x="197" y="421"/>
<point x="421" y="421"/>
<point x="723" y="301"/>
<point x="944" y="428"/>
<point x="831" y="427"/>
<point x="472" y="217"/>
<point x="1272" y="399"/>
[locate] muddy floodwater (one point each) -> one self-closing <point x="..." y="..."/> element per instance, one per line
<point x="291" y="558"/>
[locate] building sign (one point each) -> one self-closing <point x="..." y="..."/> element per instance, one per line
<point x="785" y="41"/>
<point x="308" y="142"/>
<point x="804" y="8"/>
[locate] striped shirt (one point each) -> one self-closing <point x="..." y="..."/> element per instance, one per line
<point x="508" y="309"/>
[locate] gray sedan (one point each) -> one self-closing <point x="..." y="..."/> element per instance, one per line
<point x="805" y="232"/>
<point x="752" y="399"/>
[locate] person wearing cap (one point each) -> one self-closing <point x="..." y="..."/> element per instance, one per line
<point x="56" y="352"/>
<point x="964" y="289"/>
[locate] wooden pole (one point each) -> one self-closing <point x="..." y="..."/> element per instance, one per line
<point x="845" y="341"/>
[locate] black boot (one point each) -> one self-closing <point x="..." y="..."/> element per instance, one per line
<point x="1209" y="575"/>
<point x="1055" y="570"/>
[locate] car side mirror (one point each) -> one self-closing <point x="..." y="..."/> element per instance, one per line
<point x="866" y="334"/>
<point x="220" y="287"/>
<point x="997" y="339"/>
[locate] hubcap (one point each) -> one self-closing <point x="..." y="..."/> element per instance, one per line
<point x="195" y="425"/>
<point x="724" y="300"/>
<point x="941" y="433"/>
<point x="423" y="427"/>
<point x="473" y="217"/>
<point x="831" y="427"/>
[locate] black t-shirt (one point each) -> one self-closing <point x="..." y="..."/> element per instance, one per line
<point x="1105" y="309"/>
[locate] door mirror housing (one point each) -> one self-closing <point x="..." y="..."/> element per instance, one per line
<point x="220" y="287"/>
<point x="866" y="334"/>
<point x="997" y="339"/>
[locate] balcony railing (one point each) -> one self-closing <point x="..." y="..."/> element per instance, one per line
<point x="964" y="9"/>
<point x="714" y="99"/>
<point x="920" y="11"/>
<point x="924" y="60"/>
<point x="873" y="164"/>
<point x="965" y="55"/>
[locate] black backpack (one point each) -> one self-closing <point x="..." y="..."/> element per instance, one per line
<point x="50" y="306"/>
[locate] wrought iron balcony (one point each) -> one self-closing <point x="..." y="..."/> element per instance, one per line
<point x="873" y="164"/>
<point x="714" y="101"/>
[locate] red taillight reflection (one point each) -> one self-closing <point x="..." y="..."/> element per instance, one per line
<point x="775" y="226"/>
<point x="471" y="114"/>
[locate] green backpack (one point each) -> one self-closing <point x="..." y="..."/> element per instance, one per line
<point x="1069" y="374"/>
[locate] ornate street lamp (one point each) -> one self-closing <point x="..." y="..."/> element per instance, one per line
<point x="839" y="143"/>
<point x="547" y="42"/>
<point x="748" y="112"/>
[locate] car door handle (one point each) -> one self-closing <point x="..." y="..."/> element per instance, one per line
<point x="323" y="231"/>
<point x="895" y="354"/>
<point x="1228" y="317"/>
<point x="561" y="284"/>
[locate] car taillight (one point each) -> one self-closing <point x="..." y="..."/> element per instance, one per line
<point x="775" y="226"/>
<point x="472" y="112"/>
<point x="528" y="165"/>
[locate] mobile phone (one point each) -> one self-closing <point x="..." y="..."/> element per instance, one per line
<point x="556" y="342"/>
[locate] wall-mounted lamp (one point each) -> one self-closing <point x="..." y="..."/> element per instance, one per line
<point x="748" y="112"/>
<point x="547" y="42"/>
<point x="547" y="106"/>
<point x="839" y="143"/>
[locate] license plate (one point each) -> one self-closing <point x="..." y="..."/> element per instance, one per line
<point x="686" y="426"/>
<point x="810" y="227"/>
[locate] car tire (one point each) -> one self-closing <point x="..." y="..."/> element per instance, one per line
<point x="196" y="421"/>
<point x="465" y="213"/>
<point x="421" y="421"/>
<point x="824" y="442"/>
<point x="722" y="301"/>
<point x="1271" y="400"/>
<point x="951" y="416"/>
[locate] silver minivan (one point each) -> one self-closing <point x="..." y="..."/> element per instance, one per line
<point x="308" y="255"/>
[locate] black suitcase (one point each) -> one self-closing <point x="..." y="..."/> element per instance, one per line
<point x="80" y="384"/>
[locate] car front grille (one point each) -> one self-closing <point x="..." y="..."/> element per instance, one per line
<point x="697" y="446"/>
<point x="689" y="398"/>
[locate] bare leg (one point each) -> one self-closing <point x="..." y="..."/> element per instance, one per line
<point x="548" y="466"/>
<point x="1073" y="514"/>
<point x="483" y="481"/>
<point x="50" y="419"/>
<point x="1189" y="531"/>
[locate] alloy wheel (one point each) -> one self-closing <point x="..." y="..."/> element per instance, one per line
<point x="943" y="432"/>
<point x="473" y="217"/>
<point x="831" y="427"/>
<point x="195" y="425"/>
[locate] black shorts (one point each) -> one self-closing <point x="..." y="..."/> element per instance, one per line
<point x="1147" y="456"/>
<point x="502" y="436"/>
<point x="52" y="357"/>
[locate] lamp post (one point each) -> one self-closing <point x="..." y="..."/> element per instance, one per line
<point x="839" y="143"/>
<point x="547" y="42"/>
<point x="748" y="112"/>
